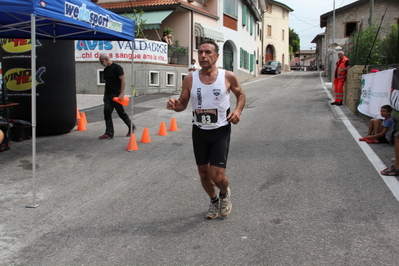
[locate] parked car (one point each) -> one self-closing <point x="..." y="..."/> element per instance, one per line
<point x="271" y="66"/>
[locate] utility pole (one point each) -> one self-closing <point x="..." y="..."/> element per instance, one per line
<point x="371" y="12"/>
<point x="333" y="31"/>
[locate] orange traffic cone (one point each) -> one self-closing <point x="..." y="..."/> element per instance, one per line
<point x="132" y="143"/>
<point x="162" y="130"/>
<point x="173" y="125"/>
<point x="83" y="116"/>
<point x="77" y="113"/>
<point x="124" y="102"/>
<point x="81" y="125"/>
<point x="145" y="138"/>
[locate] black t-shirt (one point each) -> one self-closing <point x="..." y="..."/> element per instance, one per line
<point x="112" y="81"/>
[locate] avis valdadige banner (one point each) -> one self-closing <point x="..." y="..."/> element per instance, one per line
<point x="375" y="92"/>
<point x="121" y="51"/>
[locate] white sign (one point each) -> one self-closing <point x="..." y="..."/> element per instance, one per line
<point x="121" y="51"/>
<point x="375" y="92"/>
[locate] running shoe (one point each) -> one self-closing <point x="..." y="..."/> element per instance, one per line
<point x="213" y="211"/>
<point x="225" y="204"/>
<point x="105" y="136"/>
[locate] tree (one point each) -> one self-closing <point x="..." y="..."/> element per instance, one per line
<point x="390" y="46"/>
<point x="364" y="47"/>
<point x="139" y="22"/>
<point x="294" y="41"/>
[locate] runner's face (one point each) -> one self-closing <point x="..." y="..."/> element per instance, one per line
<point x="206" y="55"/>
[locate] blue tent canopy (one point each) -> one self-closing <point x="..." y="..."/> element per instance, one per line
<point x="59" y="19"/>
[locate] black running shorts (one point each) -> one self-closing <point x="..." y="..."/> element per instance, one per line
<point x="211" y="146"/>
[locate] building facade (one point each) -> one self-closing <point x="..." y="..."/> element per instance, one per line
<point x="351" y="18"/>
<point x="276" y="33"/>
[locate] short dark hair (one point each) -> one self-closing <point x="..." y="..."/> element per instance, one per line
<point x="211" y="42"/>
<point x="387" y="107"/>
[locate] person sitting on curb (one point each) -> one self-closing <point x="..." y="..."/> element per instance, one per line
<point x="380" y="131"/>
<point x="394" y="169"/>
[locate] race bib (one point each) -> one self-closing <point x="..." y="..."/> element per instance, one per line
<point x="206" y="117"/>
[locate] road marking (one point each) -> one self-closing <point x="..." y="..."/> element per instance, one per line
<point x="390" y="181"/>
<point x="250" y="82"/>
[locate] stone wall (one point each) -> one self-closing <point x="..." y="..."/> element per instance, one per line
<point x="352" y="87"/>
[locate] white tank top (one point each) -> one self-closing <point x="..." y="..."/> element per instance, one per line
<point x="210" y="103"/>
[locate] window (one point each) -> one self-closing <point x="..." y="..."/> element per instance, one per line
<point x="283" y="13"/>
<point x="153" y="78"/>
<point x="269" y="30"/>
<point x="230" y="7"/>
<point x="350" y="28"/>
<point x="269" y="8"/>
<point x="100" y="77"/>
<point x="282" y="37"/>
<point x="244" y="15"/>
<point x="170" y="79"/>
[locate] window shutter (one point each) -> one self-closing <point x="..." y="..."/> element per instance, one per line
<point x="244" y="15"/>
<point x="241" y="57"/>
<point x="251" y="66"/>
<point x="251" y="26"/>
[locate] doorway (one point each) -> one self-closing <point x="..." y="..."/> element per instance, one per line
<point x="269" y="53"/>
<point x="228" y="57"/>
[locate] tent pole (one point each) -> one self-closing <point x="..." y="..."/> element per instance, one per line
<point x="132" y="91"/>
<point x="33" y="99"/>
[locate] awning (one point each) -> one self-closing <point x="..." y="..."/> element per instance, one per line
<point x="205" y="31"/>
<point x="153" y="19"/>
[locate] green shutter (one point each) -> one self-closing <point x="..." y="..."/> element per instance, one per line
<point x="251" y="64"/>
<point x="251" y="25"/>
<point x="246" y="60"/>
<point x="244" y="15"/>
<point x="241" y="57"/>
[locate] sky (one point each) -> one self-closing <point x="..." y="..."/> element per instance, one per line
<point x="305" y="19"/>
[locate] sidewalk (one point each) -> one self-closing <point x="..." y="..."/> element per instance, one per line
<point x="86" y="101"/>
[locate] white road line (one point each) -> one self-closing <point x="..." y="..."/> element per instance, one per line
<point x="250" y="82"/>
<point x="390" y="181"/>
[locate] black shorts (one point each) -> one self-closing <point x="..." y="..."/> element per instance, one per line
<point x="211" y="146"/>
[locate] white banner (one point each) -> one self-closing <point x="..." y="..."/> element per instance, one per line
<point x="121" y="51"/>
<point x="375" y="92"/>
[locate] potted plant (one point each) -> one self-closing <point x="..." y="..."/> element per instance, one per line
<point x="176" y="49"/>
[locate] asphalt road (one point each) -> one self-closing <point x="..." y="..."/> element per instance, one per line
<point x="304" y="191"/>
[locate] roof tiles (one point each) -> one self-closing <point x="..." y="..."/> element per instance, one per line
<point x="152" y="3"/>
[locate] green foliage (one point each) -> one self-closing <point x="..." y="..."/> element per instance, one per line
<point x="384" y="51"/>
<point x="176" y="48"/>
<point x="167" y="31"/>
<point x="390" y="46"/>
<point x="294" y="41"/>
<point x="139" y="22"/>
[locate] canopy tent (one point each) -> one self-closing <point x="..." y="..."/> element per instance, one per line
<point x="59" y="19"/>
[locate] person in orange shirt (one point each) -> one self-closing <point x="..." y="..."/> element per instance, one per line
<point x="341" y="70"/>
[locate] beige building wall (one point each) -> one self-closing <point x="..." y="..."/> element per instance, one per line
<point x="277" y="18"/>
